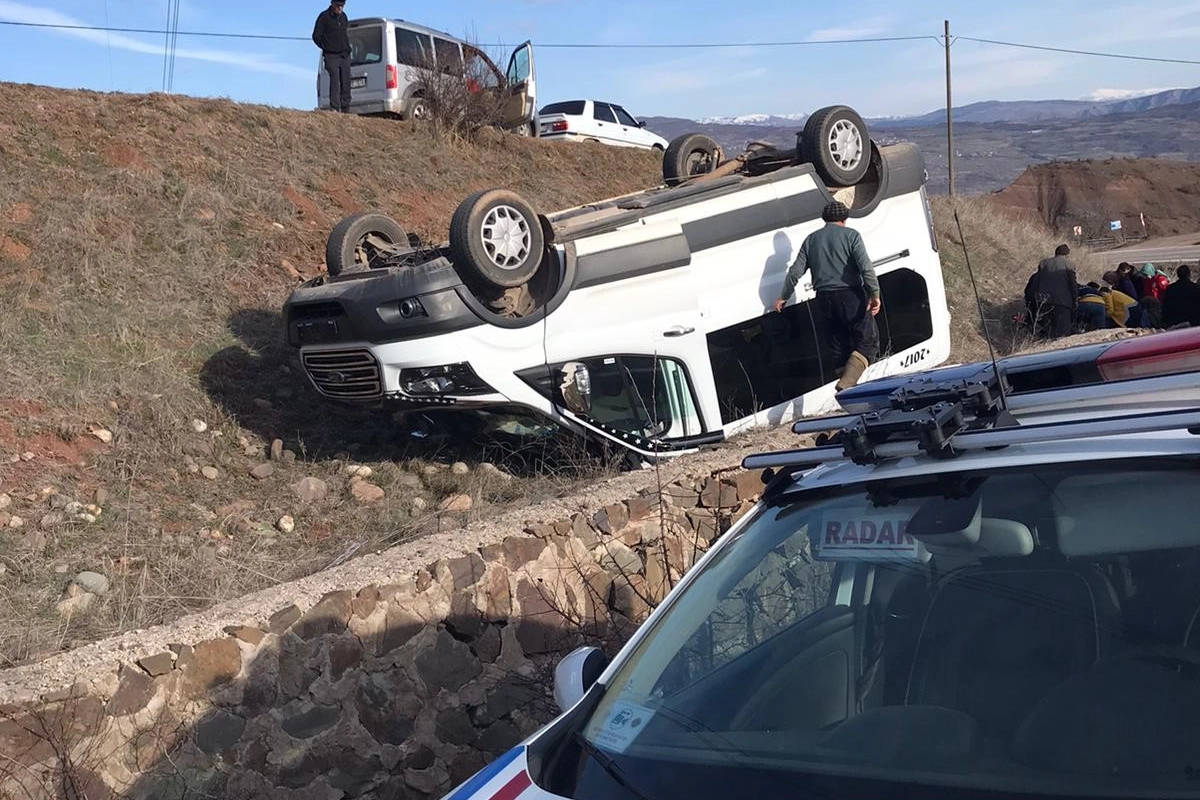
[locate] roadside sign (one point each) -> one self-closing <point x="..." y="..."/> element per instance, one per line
<point x="1078" y="230"/>
<point x="1115" y="225"/>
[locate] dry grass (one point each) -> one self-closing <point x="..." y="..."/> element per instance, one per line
<point x="146" y="247"/>
<point x="1004" y="252"/>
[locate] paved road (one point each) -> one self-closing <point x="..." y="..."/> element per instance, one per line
<point x="1140" y="255"/>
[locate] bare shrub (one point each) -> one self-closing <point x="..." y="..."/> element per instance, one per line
<point x="463" y="98"/>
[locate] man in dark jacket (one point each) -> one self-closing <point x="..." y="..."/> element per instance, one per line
<point x="1181" y="300"/>
<point x="330" y="34"/>
<point x="1058" y="291"/>
<point x="847" y="291"/>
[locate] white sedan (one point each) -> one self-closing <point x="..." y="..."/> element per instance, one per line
<point x="595" y="121"/>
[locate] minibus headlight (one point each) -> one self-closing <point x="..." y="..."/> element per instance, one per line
<point x="457" y="379"/>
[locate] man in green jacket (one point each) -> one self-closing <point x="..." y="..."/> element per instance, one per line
<point x="847" y="292"/>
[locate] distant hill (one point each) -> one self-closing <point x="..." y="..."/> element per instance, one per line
<point x="991" y="151"/>
<point x="987" y="111"/>
<point x="1090" y="193"/>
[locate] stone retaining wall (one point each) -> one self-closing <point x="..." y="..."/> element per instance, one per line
<point x="395" y="690"/>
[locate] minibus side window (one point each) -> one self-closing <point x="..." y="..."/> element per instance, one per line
<point x="905" y="319"/>
<point x="481" y="69"/>
<point x="768" y="360"/>
<point x="449" y="57"/>
<point x="410" y="50"/>
<point x="643" y="395"/>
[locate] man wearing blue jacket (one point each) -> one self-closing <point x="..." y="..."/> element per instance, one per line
<point x="847" y="291"/>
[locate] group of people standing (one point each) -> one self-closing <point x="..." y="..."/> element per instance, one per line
<point x="1132" y="297"/>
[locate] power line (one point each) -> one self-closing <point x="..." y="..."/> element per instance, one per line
<point x="711" y="45"/>
<point x="154" y="31"/>
<point x="108" y="42"/>
<point x="174" y="48"/>
<point x="173" y="31"/>
<point x="166" y="46"/>
<point x="1099" y="54"/>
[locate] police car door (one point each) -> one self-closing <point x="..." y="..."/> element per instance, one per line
<point x="630" y="329"/>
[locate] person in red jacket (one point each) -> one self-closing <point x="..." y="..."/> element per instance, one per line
<point x="1154" y="282"/>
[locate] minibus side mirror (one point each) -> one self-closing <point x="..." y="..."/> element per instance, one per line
<point x="576" y="387"/>
<point x="576" y="673"/>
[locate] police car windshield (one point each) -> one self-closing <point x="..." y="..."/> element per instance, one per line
<point x="1035" y="631"/>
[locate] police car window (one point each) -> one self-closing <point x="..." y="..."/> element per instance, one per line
<point x="411" y="48"/>
<point x="785" y="586"/>
<point x="366" y="45"/>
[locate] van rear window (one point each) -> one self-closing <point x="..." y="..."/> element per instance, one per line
<point x="366" y="45"/>
<point x="569" y="107"/>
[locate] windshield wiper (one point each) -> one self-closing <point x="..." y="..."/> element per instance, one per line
<point x="608" y="765"/>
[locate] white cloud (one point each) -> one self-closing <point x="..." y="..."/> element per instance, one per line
<point x="19" y="12"/>
<point x="658" y="82"/>
<point x="855" y="32"/>
<point x="1104" y="95"/>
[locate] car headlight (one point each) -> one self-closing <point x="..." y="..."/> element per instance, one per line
<point x="445" y="379"/>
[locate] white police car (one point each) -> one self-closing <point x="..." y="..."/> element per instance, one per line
<point x="978" y="587"/>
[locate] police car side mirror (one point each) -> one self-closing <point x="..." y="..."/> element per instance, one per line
<point x="575" y="384"/>
<point x="576" y="674"/>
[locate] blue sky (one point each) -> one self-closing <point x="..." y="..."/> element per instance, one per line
<point x="877" y="79"/>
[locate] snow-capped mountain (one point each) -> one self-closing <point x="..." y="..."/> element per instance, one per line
<point x="770" y="120"/>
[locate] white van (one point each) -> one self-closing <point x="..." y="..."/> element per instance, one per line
<point x="638" y="320"/>
<point x="386" y="56"/>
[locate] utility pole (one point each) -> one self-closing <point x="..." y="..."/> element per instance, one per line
<point x="949" y="116"/>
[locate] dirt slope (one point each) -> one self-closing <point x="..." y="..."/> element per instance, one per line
<point x="1004" y="249"/>
<point x="1090" y="193"/>
<point x="146" y="246"/>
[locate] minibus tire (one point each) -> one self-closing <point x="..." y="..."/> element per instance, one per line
<point x="480" y="259"/>
<point x="816" y="148"/>
<point x="342" y="246"/>
<point x="678" y="163"/>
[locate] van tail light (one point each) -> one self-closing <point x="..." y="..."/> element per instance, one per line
<point x="1165" y="353"/>
<point x="393" y="81"/>
<point x="560" y="126"/>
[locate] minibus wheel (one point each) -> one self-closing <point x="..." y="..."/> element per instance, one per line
<point x="689" y="155"/>
<point x="836" y="143"/>
<point x="363" y="241"/>
<point x="496" y="239"/>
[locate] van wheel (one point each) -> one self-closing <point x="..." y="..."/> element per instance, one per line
<point x="417" y="109"/>
<point x="689" y="155"/>
<point x="361" y="242"/>
<point x="836" y="143"/>
<point x="496" y="239"/>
